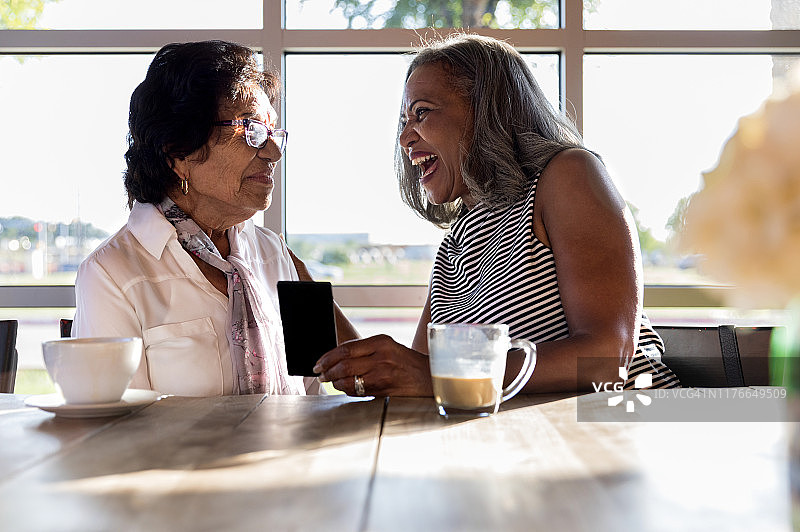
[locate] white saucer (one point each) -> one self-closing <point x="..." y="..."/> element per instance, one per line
<point x="131" y="399"/>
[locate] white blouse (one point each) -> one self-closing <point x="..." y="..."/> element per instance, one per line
<point x="141" y="282"/>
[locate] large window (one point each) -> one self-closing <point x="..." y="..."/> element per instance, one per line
<point x="136" y="15"/>
<point x="692" y="15"/>
<point x="655" y="87"/>
<point x="64" y="121"/>
<point x="659" y="121"/>
<point x="414" y="14"/>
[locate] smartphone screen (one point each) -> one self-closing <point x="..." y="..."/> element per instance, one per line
<point x="309" y="326"/>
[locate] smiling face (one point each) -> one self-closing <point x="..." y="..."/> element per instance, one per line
<point x="235" y="180"/>
<point x="437" y="128"/>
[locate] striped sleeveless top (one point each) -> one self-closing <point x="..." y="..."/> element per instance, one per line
<point x="491" y="268"/>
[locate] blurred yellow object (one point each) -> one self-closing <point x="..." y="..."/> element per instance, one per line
<point x="746" y="219"/>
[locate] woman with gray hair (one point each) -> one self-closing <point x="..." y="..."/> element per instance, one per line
<point x="539" y="238"/>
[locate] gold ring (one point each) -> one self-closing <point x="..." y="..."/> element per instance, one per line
<point x="359" y="384"/>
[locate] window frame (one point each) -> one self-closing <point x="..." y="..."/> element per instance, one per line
<point x="571" y="41"/>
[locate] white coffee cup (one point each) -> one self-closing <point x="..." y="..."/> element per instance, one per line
<point x="468" y="363"/>
<point x="92" y="370"/>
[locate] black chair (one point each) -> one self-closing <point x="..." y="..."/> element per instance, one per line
<point x="8" y="355"/>
<point x="65" y="327"/>
<point x="712" y="357"/>
<point x="754" y="349"/>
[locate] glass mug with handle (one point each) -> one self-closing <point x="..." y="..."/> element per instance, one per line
<point x="468" y="363"/>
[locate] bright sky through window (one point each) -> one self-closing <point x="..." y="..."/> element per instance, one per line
<point x="631" y="108"/>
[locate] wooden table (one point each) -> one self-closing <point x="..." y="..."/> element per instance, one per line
<point x="338" y="463"/>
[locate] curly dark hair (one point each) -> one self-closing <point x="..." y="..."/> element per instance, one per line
<point x="515" y="129"/>
<point x="173" y="110"/>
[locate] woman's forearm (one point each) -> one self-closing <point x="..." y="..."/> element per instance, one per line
<point x="344" y="329"/>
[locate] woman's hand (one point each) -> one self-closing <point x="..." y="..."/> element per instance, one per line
<point x="386" y="367"/>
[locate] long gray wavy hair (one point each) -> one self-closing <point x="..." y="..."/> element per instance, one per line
<point x="515" y="129"/>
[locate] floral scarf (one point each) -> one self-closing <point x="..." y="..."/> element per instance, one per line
<point x="254" y="337"/>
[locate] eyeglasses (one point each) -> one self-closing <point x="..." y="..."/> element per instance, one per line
<point x="258" y="133"/>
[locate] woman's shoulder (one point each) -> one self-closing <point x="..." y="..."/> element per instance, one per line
<point x="575" y="178"/>
<point x="263" y="237"/>
<point x="265" y="244"/>
<point x="116" y="248"/>
<point x="574" y="161"/>
<point x="574" y="169"/>
<point x="146" y="232"/>
<point x="115" y="259"/>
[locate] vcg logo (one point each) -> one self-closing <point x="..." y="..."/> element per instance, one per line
<point x="644" y="380"/>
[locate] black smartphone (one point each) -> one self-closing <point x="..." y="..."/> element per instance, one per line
<point x="309" y="326"/>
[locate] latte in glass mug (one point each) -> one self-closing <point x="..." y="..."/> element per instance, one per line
<point x="468" y="363"/>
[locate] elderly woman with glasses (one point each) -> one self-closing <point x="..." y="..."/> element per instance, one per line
<point x="190" y="273"/>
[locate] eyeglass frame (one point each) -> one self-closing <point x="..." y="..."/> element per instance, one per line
<point x="270" y="132"/>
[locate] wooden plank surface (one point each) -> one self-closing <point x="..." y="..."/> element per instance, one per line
<point x="229" y="463"/>
<point x="29" y="435"/>
<point x="534" y="467"/>
<point x="324" y="463"/>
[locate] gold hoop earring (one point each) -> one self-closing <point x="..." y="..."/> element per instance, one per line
<point x="185" y="186"/>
